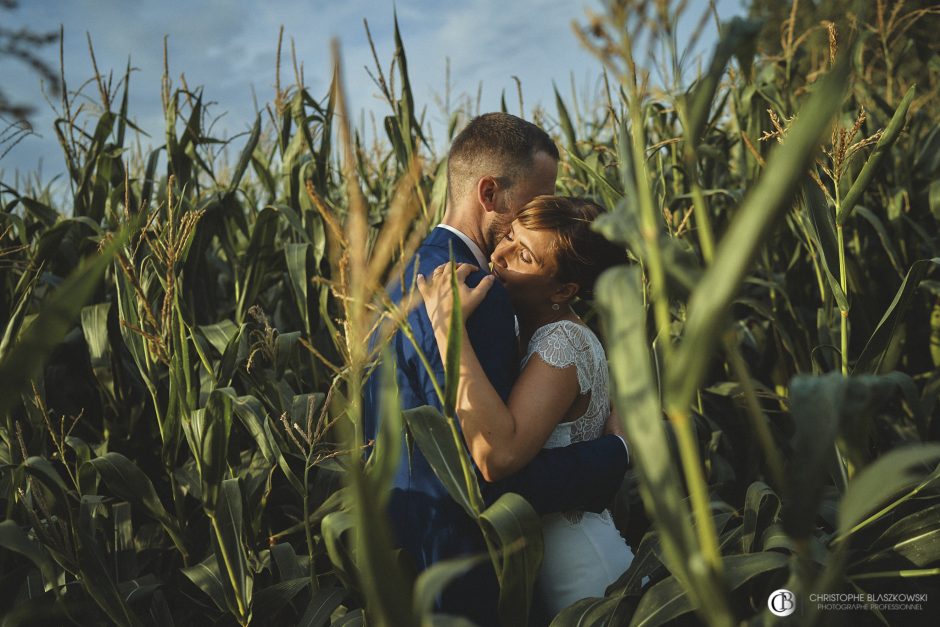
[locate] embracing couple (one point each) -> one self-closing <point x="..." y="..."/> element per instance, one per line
<point x="533" y="401"/>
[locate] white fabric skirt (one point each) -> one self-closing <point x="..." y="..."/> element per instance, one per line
<point x="581" y="558"/>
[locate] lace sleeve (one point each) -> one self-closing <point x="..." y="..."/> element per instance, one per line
<point x="562" y="345"/>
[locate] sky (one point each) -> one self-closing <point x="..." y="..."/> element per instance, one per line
<point x="229" y="48"/>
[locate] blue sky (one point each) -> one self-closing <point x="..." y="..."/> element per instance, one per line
<point x="229" y="46"/>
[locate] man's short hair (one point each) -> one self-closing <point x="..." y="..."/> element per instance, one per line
<point x="496" y="144"/>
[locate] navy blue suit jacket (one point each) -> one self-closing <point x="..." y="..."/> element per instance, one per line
<point x="426" y="522"/>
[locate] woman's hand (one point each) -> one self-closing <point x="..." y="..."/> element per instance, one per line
<point x="614" y="425"/>
<point x="439" y="298"/>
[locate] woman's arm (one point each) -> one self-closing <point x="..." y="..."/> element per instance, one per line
<point x="502" y="437"/>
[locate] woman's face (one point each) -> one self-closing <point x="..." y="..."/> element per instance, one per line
<point x="524" y="262"/>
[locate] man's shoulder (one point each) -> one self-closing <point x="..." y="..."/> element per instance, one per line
<point x="439" y="247"/>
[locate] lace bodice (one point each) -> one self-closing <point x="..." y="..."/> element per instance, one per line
<point x="561" y="344"/>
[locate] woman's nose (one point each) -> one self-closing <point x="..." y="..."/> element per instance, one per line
<point x="498" y="257"/>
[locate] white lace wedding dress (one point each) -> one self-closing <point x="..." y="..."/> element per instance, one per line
<point x="584" y="552"/>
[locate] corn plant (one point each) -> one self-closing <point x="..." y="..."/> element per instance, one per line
<point x="185" y="339"/>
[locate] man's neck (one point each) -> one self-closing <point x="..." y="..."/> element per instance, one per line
<point x="470" y="228"/>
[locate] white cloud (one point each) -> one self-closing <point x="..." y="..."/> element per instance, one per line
<point x="229" y="46"/>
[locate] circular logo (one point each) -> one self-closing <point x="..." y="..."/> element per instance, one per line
<point x="781" y="602"/>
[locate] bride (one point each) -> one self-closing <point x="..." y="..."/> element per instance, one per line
<point x="549" y="256"/>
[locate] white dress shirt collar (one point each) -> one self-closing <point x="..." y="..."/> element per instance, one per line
<point x="477" y="253"/>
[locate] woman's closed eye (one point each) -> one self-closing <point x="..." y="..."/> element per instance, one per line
<point x="524" y="255"/>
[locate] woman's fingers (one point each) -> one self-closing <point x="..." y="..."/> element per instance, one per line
<point x="484" y="285"/>
<point x="464" y="270"/>
<point x="443" y="271"/>
<point x="423" y="287"/>
<point x="476" y="295"/>
<point x="436" y="290"/>
<point x="440" y="278"/>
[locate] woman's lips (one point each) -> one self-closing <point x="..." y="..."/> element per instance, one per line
<point x="496" y="274"/>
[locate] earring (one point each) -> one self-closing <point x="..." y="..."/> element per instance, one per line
<point x="556" y="307"/>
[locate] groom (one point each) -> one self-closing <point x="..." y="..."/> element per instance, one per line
<point x="495" y="166"/>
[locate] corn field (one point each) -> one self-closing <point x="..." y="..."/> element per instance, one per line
<point x="185" y="338"/>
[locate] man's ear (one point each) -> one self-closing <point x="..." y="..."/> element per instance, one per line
<point x="486" y="192"/>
